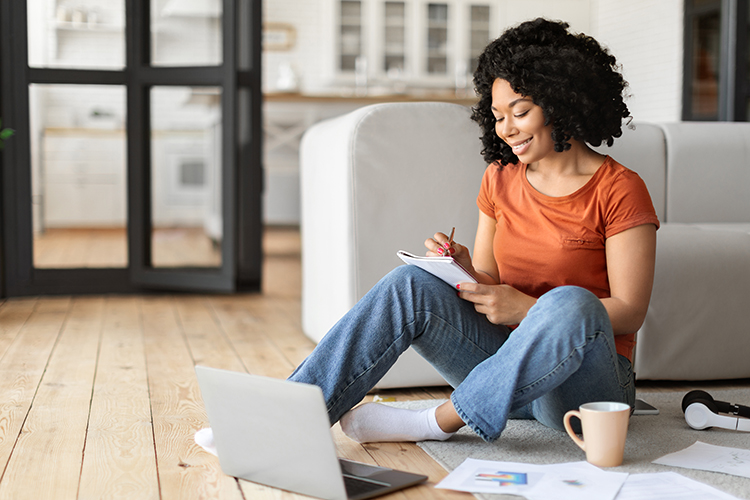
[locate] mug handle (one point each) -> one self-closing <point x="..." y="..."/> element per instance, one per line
<point x="569" y="429"/>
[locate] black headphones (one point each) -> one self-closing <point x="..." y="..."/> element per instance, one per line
<point x="702" y="412"/>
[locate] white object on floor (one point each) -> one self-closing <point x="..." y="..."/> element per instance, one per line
<point x="205" y="439"/>
<point x="574" y="481"/>
<point x="666" y="485"/>
<point x="702" y="456"/>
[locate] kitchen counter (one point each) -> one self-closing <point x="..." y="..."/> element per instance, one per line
<point x="371" y="98"/>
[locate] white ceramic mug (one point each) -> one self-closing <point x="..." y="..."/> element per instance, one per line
<point x="605" y="427"/>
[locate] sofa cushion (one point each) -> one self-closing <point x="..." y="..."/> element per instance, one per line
<point x="708" y="172"/>
<point x="696" y="326"/>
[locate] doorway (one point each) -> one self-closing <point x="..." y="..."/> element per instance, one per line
<point x="716" y="80"/>
<point x="136" y="161"/>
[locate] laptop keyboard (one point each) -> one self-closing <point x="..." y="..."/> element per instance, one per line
<point x="355" y="486"/>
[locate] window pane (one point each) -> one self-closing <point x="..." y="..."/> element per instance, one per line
<point x="705" y="65"/>
<point x="395" y="38"/>
<point x="76" y="34"/>
<point x="437" y="38"/>
<point x="186" y="32"/>
<point x="479" y="35"/>
<point x="186" y="177"/>
<point x="78" y="176"/>
<point x="351" y="34"/>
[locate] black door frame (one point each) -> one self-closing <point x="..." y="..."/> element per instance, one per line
<point x="239" y="78"/>
<point x="734" y="80"/>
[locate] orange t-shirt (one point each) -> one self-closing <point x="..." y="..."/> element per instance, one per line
<point x="542" y="242"/>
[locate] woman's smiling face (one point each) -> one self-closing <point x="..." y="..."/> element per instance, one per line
<point x="520" y="123"/>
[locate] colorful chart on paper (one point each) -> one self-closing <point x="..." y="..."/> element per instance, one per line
<point x="503" y="478"/>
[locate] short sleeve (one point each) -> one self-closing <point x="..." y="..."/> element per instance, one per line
<point x="485" y="200"/>
<point x="629" y="204"/>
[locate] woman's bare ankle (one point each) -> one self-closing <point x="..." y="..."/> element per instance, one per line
<point x="447" y="418"/>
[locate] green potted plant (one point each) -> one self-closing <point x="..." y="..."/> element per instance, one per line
<point x="4" y="134"/>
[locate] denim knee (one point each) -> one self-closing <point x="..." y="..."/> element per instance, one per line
<point x="406" y="272"/>
<point x="402" y="275"/>
<point x="416" y="281"/>
<point x="574" y="300"/>
<point x="570" y="294"/>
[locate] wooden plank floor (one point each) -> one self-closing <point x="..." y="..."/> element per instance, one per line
<point x="108" y="247"/>
<point x="98" y="398"/>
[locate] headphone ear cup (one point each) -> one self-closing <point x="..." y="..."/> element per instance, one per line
<point x="708" y="403"/>
<point x="699" y="416"/>
<point x="699" y="397"/>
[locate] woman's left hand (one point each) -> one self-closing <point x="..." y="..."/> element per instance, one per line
<point x="502" y="304"/>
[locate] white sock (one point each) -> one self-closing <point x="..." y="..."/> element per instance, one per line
<point x="205" y="439"/>
<point x="377" y="423"/>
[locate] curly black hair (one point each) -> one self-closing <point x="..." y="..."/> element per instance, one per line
<point x="573" y="79"/>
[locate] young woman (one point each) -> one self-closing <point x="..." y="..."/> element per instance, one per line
<point x="564" y="259"/>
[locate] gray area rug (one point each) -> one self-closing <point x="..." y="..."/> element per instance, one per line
<point x="649" y="437"/>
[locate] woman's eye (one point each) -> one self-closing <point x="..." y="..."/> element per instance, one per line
<point x="498" y="119"/>
<point x="521" y="115"/>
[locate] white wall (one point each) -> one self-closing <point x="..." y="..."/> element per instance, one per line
<point x="312" y="57"/>
<point x="577" y="13"/>
<point x="646" y="36"/>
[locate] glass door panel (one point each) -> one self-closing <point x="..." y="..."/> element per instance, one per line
<point x="186" y="32"/>
<point x="78" y="176"/>
<point x="77" y="34"/>
<point x="131" y="154"/>
<point x="706" y="36"/>
<point x="186" y="160"/>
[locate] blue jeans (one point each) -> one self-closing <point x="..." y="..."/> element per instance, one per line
<point x="560" y="356"/>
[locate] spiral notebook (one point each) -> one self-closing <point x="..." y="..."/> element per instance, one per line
<point x="445" y="268"/>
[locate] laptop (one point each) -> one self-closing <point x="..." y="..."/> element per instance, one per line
<point x="277" y="433"/>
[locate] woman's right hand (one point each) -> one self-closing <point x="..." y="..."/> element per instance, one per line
<point x="501" y="304"/>
<point x="439" y="246"/>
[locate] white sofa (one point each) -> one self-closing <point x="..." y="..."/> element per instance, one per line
<point x="386" y="177"/>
